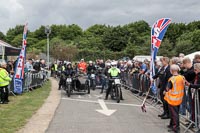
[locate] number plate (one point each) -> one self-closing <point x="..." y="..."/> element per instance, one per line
<point x="69" y="80"/>
<point x="117" y="81"/>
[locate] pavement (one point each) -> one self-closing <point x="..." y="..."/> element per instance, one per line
<point x="39" y="122"/>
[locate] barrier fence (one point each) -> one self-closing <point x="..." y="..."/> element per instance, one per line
<point x="32" y="80"/>
<point x="140" y="84"/>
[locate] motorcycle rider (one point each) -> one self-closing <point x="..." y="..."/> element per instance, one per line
<point x="90" y="70"/>
<point x="62" y="79"/>
<point x="113" y="73"/>
<point x="69" y="71"/>
<point x="106" y="74"/>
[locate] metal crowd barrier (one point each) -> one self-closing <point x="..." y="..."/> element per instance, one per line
<point x="32" y="80"/>
<point x="140" y="85"/>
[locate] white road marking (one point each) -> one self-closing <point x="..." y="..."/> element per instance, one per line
<point x="89" y="96"/>
<point x="98" y="96"/>
<point x="120" y="104"/>
<point x="105" y="110"/>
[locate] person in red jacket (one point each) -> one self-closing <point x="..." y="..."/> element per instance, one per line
<point x="82" y="66"/>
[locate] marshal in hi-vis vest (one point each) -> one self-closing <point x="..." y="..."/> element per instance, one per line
<point x="4" y="78"/>
<point x="175" y="95"/>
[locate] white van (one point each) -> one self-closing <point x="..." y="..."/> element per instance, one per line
<point x="143" y="57"/>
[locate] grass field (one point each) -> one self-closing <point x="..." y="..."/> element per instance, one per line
<point x="20" y="108"/>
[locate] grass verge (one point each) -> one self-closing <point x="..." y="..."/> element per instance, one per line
<point x="20" y="108"/>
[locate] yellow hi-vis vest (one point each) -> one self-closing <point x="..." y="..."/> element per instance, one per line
<point x="55" y="67"/>
<point x="175" y="95"/>
<point x="4" y="77"/>
<point x="63" y="68"/>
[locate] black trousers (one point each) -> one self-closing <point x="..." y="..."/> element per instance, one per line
<point x="4" y="93"/>
<point x="62" y="81"/>
<point x="165" y="104"/>
<point x="174" y="117"/>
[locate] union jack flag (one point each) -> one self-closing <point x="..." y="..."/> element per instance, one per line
<point x="157" y="33"/>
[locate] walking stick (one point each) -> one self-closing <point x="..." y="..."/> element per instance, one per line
<point x="143" y="107"/>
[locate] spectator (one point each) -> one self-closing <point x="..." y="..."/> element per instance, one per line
<point x="173" y="96"/>
<point x="42" y="63"/>
<point x="29" y="65"/>
<point x="4" y="82"/>
<point x="196" y="85"/>
<point x="10" y="68"/>
<point x="181" y="56"/>
<point x="163" y="82"/>
<point x="196" y="58"/>
<point x="36" y="66"/>
<point x="189" y="75"/>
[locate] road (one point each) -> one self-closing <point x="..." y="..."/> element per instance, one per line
<point x="78" y="114"/>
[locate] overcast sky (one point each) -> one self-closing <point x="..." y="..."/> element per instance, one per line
<point x="86" y="13"/>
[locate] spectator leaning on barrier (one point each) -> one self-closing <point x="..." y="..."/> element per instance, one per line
<point x="4" y="82"/>
<point x="174" y="95"/>
<point x="189" y="75"/>
<point x="29" y="65"/>
<point x="196" y="85"/>
<point x="193" y="86"/>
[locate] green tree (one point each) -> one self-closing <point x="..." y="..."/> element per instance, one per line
<point x="13" y="32"/>
<point x="166" y="48"/>
<point x="174" y="31"/>
<point x="115" y="38"/>
<point x="17" y="41"/>
<point x="40" y="33"/>
<point x="70" y="32"/>
<point x="2" y="36"/>
<point x="193" y="26"/>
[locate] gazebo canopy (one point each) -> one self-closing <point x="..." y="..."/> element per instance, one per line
<point x="8" y="50"/>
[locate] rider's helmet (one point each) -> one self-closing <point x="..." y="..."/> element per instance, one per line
<point x="69" y="64"/>
<point x="114" y="64"/>
<point x="108" y="64"/>
<point x="90" y="62"/>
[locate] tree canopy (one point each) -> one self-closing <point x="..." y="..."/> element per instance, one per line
<point x="105" y="41"/>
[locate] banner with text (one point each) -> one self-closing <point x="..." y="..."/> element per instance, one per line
<point x="19" y="68"/>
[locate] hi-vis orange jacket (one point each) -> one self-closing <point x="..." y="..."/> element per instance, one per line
<point x="175" y="95"/>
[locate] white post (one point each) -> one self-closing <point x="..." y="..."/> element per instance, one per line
<point x="48" y="31"/>
<point x="48" y="51"/>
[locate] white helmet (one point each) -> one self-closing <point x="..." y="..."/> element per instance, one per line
<point x="108" y="64"/>
<point x="90" y="62"/>
<point x="113" y="63"/>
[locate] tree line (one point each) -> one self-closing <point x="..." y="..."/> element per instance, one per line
<point x="105" y="41"/>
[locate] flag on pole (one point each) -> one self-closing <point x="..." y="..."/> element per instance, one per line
<point x="157" y="33"/>
<point x="19" y="68"/>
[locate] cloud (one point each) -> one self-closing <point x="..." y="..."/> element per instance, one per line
<point x="89" y="12"/>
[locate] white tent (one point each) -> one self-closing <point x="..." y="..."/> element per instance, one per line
<point x="191" y="56"/>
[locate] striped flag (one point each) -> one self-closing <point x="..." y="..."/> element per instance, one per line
<point x="19" y="68"/>
<point x="158" y="31"/>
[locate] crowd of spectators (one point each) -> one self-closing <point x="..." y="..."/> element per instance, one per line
<point x="31" y="65"/>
